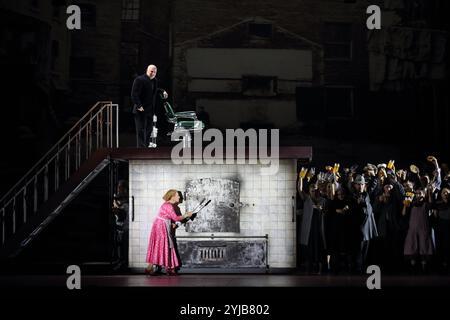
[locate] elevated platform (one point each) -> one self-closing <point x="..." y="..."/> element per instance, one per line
<point x="291" y="152"/>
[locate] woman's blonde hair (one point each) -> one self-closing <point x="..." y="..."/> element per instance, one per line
<point x="169" y="194"/>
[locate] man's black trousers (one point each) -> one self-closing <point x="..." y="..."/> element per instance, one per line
<point x="144" y="124"/>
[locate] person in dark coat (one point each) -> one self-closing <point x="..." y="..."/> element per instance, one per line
<point x="337" y="230"/>
<point x="121" y="227"/>
<point x="387" y="209"/>
<point x="143" y="95"/>
<point x="176" y="225"/>
<point x="441" y="225"/>
<point x="312" y="233"/>
<point x="418" y="242"/>
<point x="362" y="226"/>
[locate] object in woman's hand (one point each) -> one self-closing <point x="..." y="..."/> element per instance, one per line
<point x="302" y="173"/>
<point x="382" y="173"/>
<point x="409" y="196"/>
<point x="336" y="168"/>
<point x="390" y="164"/>
<point x="311" y="173"/>
<point x="414" y="169"/>
<point x="400" y="173"/>
<point x="431" y="158"/>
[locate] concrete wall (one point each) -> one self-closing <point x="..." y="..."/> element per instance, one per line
<point x="267" y="203"/>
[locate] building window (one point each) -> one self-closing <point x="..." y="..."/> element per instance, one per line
<point x="339" y="102"/>
<point x="338" y="41"/>
<point x="88" y="15"/>
<point x="129" y="59"/>
<point x="130" y="10"/>
<point x="82" y="67"/>
<point x="260" y="30"/>
<point x="258" y="86"/>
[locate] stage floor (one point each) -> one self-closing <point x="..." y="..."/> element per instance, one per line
<point x="224" y="280"/>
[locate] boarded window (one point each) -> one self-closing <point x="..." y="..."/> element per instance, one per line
<point x="259" y="86"/>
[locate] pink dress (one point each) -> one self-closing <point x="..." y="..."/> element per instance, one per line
<point x="161" y="250"/>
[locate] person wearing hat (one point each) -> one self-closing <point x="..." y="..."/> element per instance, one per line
<point x="373" y="181"/>
<point x="370" y="170"/>
<point x="363" y="226"/>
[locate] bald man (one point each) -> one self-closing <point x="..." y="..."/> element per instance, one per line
<point x="143" y="95"/>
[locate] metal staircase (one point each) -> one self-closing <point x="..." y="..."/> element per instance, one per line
<point x="58" y="177"/>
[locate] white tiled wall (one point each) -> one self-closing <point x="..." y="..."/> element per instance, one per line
<point x="267" y="203"/>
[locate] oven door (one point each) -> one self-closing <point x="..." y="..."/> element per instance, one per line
<point x="222" y="213"/>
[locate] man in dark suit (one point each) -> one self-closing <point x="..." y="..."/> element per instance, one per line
<point x="143" y="95"/>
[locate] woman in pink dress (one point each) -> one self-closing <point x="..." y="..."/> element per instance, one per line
<point x="161" y="249"/>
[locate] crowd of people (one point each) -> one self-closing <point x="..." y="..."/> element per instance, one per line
<point x="395" y="218"/>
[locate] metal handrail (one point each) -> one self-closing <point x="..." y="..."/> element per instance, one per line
<point x="52" y="149"/>
<point x="57" y="161"/>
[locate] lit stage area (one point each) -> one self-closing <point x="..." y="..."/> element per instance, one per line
<point x="249" y="223"/>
